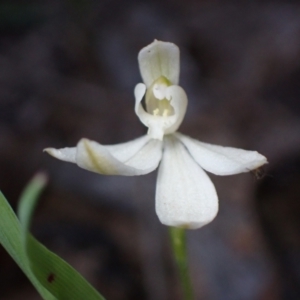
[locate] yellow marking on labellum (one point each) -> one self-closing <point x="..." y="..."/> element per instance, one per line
<point x="156" y="112"/>
<point x="100" y="164"/>
<point x="165" y="113"/>
<point x="158" y="107"/>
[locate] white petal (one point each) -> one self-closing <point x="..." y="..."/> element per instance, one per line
<point x="137" y="157"/>
<point x="160" y="125"/>
<point x="139" y="93"/>
<point x="65" y="154"/>
<point x="125" y="151"/>
<point x="222" y="160"/>
<point x="159" y="59"/>
<point x="179" y="102"/>
<point x="185" y="196"/>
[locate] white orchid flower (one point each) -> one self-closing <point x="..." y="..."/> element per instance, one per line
<point x="185" y="196"/>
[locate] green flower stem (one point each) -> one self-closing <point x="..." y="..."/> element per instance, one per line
<point x="178" y="239"/>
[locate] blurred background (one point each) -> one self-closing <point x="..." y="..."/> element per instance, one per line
<point x="68" y="69"/>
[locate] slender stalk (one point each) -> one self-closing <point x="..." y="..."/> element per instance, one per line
<point x="178" y="239"/>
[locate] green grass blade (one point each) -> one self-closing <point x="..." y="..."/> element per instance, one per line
<point x="51" y="276"/>
<point x="11" y="240"/>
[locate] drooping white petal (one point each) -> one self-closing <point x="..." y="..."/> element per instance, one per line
<point x="65" y="154"/>
<point x="160" y="125"/>
<point x="137" y="157"/>
<point x="185" y="196"/>
<point x="222" y="160"/>
<point x="122" y="151"/>
<point x="159" y="59"/>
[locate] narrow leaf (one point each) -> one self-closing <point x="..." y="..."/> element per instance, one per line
<point x="52" y="277"/>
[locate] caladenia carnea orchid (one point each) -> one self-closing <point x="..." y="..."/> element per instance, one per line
<point x="185" y="196"/>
